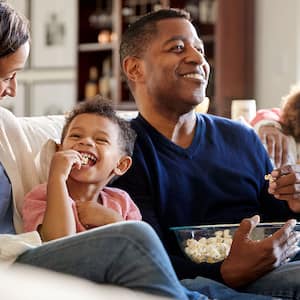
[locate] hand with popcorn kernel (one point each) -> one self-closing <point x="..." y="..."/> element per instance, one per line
<point x="63" y="162"/>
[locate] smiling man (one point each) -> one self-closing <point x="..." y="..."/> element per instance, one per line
<point x="193" y="169"/>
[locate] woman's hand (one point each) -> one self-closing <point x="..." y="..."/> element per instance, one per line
<point x="276" y="144"/>
<point x="286" y="185"/>
<point x="249" y="259"/>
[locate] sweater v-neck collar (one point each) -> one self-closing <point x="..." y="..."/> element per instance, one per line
<point x="162" y="141"/>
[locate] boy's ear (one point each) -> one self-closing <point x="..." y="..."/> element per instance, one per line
<point x="133" y="69"/>
<point x="123" y="165"/>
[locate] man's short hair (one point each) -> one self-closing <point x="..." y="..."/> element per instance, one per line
<point x="139" y="34"/>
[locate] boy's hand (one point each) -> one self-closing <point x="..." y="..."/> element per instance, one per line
<point x="63" y="162"/>
<point x="287" y="185"/>
<point x="249" y="259"/>
<point x="94" y="214"/>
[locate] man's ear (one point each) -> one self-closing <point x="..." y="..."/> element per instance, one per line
<point x="133" y="69"/>
<point x="123" y="165"/>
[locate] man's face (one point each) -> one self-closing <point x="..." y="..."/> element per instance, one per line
<point x="9" y="66"/>
<point x="175" y="69"/>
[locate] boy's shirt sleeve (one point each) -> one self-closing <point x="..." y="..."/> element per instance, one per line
<point x="34" y="207"/>
<point x="121" y="202"/>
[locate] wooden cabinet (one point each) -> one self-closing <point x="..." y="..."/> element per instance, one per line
<point x="223" y="25"/>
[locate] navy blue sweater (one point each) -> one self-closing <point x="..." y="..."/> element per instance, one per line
<point x="218" y="179"/>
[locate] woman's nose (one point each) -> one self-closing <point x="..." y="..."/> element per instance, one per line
<point x="11" y="89"/>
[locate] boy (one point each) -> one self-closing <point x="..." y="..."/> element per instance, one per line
<point x="96" y="146"/>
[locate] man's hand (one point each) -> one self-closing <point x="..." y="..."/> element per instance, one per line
<point x="249" y="259"/>
<point x="276" y="144"/>
<point x="286" y="185"/>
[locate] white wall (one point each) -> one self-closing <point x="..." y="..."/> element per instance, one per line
<point x="277" y="51"/>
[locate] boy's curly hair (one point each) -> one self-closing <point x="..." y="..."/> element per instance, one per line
<point x="103" y="107"/>
<point x="290" y="116"/>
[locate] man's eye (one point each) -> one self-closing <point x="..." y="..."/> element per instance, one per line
<point x="200" y="50"/>
<point x="177" y="48"/>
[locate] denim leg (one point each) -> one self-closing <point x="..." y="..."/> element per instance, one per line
<point x="218" y="291"/>
<point x="283" y="282"/>
<point x="128" y="254"/>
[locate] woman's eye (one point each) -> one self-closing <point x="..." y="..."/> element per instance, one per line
<point x="10" y="78"/>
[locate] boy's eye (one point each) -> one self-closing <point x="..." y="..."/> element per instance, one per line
<point x="74" y="135"/>
<point x="101" y="140"/>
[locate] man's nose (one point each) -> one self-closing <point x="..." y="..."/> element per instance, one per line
<point x="195" y="56"/>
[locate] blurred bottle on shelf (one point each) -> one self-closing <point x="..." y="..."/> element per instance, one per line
<point x="105" y="81"/>
<point x="91" y="86"/>
<point x="101" y="17"/>
<point x="208" y="11"/>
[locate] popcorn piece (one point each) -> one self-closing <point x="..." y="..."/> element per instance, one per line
<point x="211" y="249"/>
<point x="270" y="178"/>
<point x="84" y="160"/>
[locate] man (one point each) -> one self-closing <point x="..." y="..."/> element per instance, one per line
<point x="191" y="169"/>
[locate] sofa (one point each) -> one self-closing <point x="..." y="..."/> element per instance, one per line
<point x="21" y="141"/>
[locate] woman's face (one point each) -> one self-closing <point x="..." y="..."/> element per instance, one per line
<point x="9" y="66"/>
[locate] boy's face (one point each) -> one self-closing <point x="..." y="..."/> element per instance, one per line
<point x="97" y="139"/>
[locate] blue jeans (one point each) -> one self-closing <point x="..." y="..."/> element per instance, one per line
<point x="283" y="282"/>
<point x="219" y="291"/>
<point x="128" y="254"/>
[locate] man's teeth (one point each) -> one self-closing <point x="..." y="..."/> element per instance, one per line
<point x="194" y="76"/>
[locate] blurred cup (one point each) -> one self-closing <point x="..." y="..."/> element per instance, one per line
<point x="243" y="109"/>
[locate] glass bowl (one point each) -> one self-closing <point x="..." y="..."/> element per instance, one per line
<point x="211" y="243"/>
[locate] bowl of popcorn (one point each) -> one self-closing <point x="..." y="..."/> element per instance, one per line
<point x="212" y="243"/>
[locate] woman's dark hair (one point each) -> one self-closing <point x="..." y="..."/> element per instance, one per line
<point x="102" y="107"/>
<point x="290" y="116"/>
<point x="14" y="29"/>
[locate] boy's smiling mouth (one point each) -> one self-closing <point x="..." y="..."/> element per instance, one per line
<point x="88" y="158"/>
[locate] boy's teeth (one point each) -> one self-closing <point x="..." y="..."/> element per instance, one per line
<point x="86" y="157"/>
